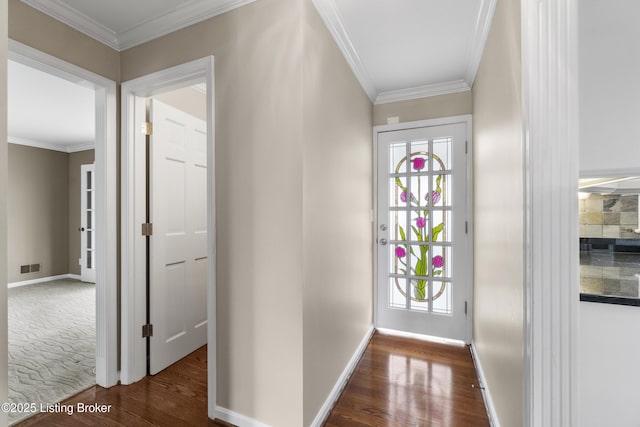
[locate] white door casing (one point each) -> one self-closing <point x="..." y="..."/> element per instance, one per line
<point x="87" y="224"/>
<point x="423" y="230"/>
<point x="178" y="246"/>
<point x="133" y="255"/>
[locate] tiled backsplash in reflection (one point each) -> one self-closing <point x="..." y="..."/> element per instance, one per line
<point x="609" y="216"/>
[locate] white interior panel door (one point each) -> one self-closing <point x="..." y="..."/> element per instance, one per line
<point x="87" y="223"/>
<point x="422" y="253"/>
<point x="178" y="246"/>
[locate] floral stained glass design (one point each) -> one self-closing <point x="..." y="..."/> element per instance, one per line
<point x="420" y="215"/>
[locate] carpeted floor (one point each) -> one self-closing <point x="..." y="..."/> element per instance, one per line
<point x="52" y="341"/>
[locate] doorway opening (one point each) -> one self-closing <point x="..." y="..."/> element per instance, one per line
<point x="136" y="326"/>
<point x="100" y="308"/>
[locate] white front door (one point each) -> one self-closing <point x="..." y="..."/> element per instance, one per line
<point x="178" y="246"/>
<point x="87" y="223"/>
<point x="422" y="232"/>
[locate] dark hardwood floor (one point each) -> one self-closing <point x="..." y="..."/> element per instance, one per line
<point x="398" y="382"/>
<point x="407" y="382"/>
<point x="176" y="396"/>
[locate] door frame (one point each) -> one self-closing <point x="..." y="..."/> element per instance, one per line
<point x="377" y="130"/>
<point x="133" y="187"/>
<point x="106" y="190"/>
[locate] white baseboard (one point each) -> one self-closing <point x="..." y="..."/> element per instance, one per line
<point x="342" y="380"/>
<point x="43" y="280"/>
<point x="486" y="394"/>
<point x="237" y="419"/>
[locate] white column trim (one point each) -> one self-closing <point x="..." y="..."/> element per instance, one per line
<point x="549" y="66"/>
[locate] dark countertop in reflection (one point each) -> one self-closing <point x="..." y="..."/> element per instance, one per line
<point x="610" y="277"/>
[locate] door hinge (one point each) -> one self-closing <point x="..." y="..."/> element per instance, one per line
<point x="147" y="128"/>
<point x="147" y="331"/>
<point x="465" y="307"/>
<point x="466" y="227"/>
<point x="466" y="147"/>
<point x="147" y="229"/>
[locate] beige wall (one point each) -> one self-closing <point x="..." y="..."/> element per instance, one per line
<point x="258" y="78"/>
<point x="337" y="199"/>
<point x="4" y="381"/>
<point x="499" y="215"/>
<point x="38" y="212"/>
<point x="186" y="99"/>
<point x="433" y="107"/>
<point x="75" y="161"/>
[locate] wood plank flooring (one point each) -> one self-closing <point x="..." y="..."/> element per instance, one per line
<point x="398" y="382"/>
<point x="176" y="396"/>
<point x="407" y="382"/>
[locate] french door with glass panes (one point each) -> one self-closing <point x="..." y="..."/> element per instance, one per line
<point x="87" y="224"/>
<point x="422" y="231"/>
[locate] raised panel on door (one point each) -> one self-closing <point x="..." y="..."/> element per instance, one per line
<point x="178" y="246"/>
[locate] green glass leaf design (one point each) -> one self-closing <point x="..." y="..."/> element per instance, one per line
<point x="402" y="235"/>
<point x="436" y="231"/>
<point x="419" y="234"/>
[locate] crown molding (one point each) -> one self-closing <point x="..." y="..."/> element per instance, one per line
<point x="80" y="147"/>
<point x="51" y="146"/>
<point x="329" y="13"/>
<point x="478" y="39"/>
<point x="77" y="20"/>
<point x="192" y="13"/>
<point x="422" y="92"/>
<point x="200" y="87"/>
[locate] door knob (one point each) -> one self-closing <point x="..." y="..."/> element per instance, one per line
<point x="383" y="242"/>
<point x="383" y="227"/>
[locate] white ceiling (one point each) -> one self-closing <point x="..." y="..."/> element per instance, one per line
<point x="47" y="111"/>
<point x="398" y="49"/>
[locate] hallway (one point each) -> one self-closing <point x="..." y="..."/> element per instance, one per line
<point x="398" y="381"/>
<point x="407" y="382"/>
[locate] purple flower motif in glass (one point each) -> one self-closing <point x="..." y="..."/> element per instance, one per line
<point x="435" y="197"/>
<point x="421" y="222"/>
<point x="418" y="163"/>
<point x="438" y="261"/>
<point x="400" y="251"/>
<point x="403" y="197"/>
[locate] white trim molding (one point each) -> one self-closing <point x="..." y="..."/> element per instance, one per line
<point x="236" y="419"/>
<point x="329" y="13"/>
<point x="422" y="92"/>
<point x="106" y="231"/>
<point x="43" y="280"/>
<point x="479" y="39"/>
<point x="486" y="393"/>
<point x="156" y="26"/>
<point x="550" y="85"/>
<point x="133" y="194"/>
<point x="51" y="146"/>
<point x="334" y="395"/>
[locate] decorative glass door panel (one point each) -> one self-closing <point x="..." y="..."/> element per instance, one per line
<point x="422" y="209"/>
<point x="87" y="224"/>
